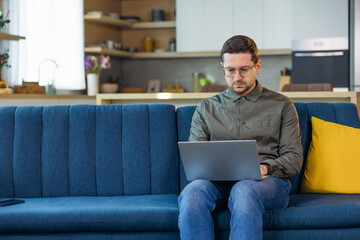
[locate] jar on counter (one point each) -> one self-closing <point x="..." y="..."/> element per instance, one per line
<point x="196" y="82"/>
<point x="172" y="45"/>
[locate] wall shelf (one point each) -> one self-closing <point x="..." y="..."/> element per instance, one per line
<point x="106" y="51"/>
<point x="6" y="36"/>
<point x="101" y="18"/>
<point x="153" y="25"/>
<point x="119" y="53"/>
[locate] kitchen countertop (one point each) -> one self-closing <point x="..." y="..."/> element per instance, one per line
<point x="44" y="100"/>
<point x="45" y="96"/>
<point x="191" y="98"/>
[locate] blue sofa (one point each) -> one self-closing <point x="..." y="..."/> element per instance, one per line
<point x="114" y="172"/>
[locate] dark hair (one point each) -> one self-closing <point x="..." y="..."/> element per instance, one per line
<point x="240" y="44"/>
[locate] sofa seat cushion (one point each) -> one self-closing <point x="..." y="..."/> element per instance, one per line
<point x="308" y="211"/>
<point x="92" y="214"/>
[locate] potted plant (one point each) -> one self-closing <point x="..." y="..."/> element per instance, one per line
<point x="4" y="20"/>
<point x="4" y="57"/>
<point x="93" y="67"/>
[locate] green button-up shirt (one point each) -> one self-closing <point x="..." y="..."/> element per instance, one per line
<point x="266" y="116"/>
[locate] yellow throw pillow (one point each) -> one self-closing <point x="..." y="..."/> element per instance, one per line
<point x="333" y="161"/>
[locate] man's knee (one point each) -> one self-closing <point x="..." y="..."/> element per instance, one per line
<point x="195" y="194"/>
<point x="245" y="195"/>
<point x="244" y="188"/>
<point x="195" y="189"/>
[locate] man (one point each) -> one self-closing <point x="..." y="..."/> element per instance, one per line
<point x="245" y="110"/>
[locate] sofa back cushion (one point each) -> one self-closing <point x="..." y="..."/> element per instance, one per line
<point x="333" y="159"/>
<point x="88" y="150"/>
<point x="184" y="118"/>
<point x="342" y="113"/>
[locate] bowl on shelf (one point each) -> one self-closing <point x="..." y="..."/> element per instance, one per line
<point x="109" y="87"/>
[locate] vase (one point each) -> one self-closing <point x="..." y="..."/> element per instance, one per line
<point x="92" y="84"/>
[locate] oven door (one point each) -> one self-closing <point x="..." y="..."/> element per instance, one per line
<point x="321" y="67"/>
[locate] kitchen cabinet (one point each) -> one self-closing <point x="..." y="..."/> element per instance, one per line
<point x="99" y="27"/>
<point x="277" y="24"/>
<point x="205" y="25"/>
<point x="249" y="19"/>
<point x="189" y="17"/>
<point x="319" y="19"/>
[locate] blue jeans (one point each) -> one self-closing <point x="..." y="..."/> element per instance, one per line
<point x="247" y="201"/>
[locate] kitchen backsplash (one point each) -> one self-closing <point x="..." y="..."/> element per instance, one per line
<point x="136" y="72"/>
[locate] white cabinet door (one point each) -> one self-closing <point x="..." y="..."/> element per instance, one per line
<point x="203" y="25"/>
<point x="189" y="24"/>
<point x="319" y="18"/>
<point x="218" y="23"/>
<point x="248" y="20"/>
<point x="277" y="24"/>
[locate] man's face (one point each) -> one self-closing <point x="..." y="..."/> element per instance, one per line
<point x="244" y="79"/>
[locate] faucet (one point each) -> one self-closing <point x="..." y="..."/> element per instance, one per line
<point x="44" y="61"/>
<point x="48" y="91"/>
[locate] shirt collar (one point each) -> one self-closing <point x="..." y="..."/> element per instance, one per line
<point x="252" y="96"/>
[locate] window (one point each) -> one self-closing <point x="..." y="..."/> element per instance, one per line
<point x="54" y="45"/>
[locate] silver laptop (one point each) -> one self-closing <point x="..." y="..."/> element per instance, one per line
<point x="232" y="160"/>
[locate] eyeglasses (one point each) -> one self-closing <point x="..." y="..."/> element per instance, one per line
<point x="244" y="71"/>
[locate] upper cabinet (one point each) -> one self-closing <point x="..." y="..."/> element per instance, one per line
<point x="204" y="25"/>
<point x="248" y="20"/>
<point x="320" y="18"/>
<point x="277" y="24"/>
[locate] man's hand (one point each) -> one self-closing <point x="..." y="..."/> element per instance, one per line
<point x="264" y="169"/>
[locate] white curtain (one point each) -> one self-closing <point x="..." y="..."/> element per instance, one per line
<point x="54" y="45"/>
